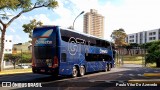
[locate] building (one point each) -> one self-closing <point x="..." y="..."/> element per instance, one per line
<point x="93" y="23"/>
<point x="8" y="45"/>
<point x="144" y="36"/>
<point x="21" y="47"/>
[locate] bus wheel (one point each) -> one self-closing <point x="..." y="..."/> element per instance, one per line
<point x="108" y="67"/>
<point x="82" y="71"/>
<point x="74" y="72"/>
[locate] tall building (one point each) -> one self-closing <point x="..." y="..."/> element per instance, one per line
<point x="144" y="36"/>
<point x="93" y="23"/>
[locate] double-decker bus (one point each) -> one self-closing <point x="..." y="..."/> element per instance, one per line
<point x="60" y="51"/>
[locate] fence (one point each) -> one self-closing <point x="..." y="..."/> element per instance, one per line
<point x="131" y="56"/>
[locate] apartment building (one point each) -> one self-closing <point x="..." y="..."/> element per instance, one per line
<point x="21" y="47"/>
<point x="93" y="23"/>
<point x="144" y="36"/>
<point x="8" y="45"/>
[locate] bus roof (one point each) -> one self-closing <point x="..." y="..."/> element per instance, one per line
<point x="85" y="34"/>
<point x="88" y="35"/>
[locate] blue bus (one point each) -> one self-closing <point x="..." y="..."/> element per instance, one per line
<point x="60" y="51"/>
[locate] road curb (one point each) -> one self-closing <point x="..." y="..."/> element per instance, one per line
<point x="7" y="73"/>
<point x="151" y="74"/>
<point x="20" y="71"/>
<point x="146" y="81"/>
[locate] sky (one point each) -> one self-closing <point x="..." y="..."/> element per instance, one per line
<point x="131" y="15"/>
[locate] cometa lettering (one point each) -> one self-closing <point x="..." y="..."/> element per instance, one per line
<point x="43" y="42"/>
<point x="103" y="51"/>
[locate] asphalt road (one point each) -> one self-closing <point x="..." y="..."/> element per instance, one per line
<point x="118" y="78"/>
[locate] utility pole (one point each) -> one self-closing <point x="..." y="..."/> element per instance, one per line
<point x="76" y="18"/>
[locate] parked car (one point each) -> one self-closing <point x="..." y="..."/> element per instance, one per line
<point x="23" y="65"/>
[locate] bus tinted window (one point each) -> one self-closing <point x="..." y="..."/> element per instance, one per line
<point x="92" y="41"/>
<point x="44" y="52"/>
<point x="97" y="57"/>
<point x="63" y="57"/>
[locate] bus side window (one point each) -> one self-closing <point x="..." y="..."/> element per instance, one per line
<point x="63" y="57"/>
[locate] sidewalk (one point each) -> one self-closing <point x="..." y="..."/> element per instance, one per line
<point x="16" y="71"/>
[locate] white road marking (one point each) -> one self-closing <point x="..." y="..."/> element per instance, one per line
<point x="131" y="75"/>
<point x="140" y="74"/>
<point x="156" y="71"/>
<point x="120" y="74"/>
<point x="146" y="71"/>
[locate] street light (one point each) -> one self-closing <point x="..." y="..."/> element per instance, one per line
<point x="76" y="18"/>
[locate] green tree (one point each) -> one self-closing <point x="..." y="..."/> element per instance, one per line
<point x="128" y="47"/>
<point x="26" y="58"/>
<point x="24" y="6"/>
<point x="153" y="46"/>
<point x="119" y="37"/>
<point x="12" y="58"/>
<point x="28" y="28"/>
<point x="153" y="55"/>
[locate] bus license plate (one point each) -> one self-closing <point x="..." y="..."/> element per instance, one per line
<point x="42" y="70"/>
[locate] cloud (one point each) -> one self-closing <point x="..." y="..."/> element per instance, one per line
<point x="9" y="36"/>
<point x="68" y="11"/>
<point x="12" y="29"/>
<point x="65" y="15"/>
<point x="131" y="15"/>
<point x="44" y="19"/>
<point x="18" y="37"/>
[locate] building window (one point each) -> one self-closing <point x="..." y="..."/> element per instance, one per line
<point x="153" y="38"/>
<point x="131" y="40"/>
<point x="9" y="49"/>
<point x="154" y="33"/>
<point x="6" y="40"/>
<point x="150" y="38"/>
<point x="132" y="36"/>
<point x="5" y="49"/>
<point x="10" y="40"/>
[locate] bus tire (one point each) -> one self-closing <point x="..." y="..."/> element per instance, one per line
<point x="108" y="67"/>
<point x="74" y="72"/>
<point x="82" y="71"/>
